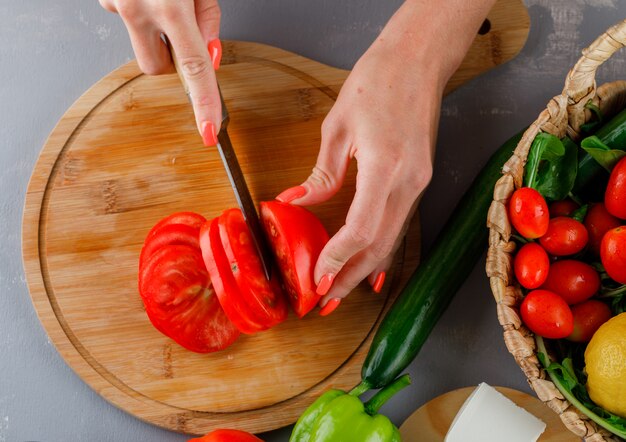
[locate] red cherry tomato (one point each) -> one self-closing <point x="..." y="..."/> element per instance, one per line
<point x="615" y="194"/>
<point x="528" y="212"/>
<point x="545" y="313"/>
<point x="588" y="317"/>
<point x="565" y="236"/>
<point x="613" y="253"/>
<point x="531" y="265"/>
<point x="599" y="221"/>
<point x="180" y="302"/>
<point x="574" y="281"/>
<point x="562" y="208"/>
<point x="297" y="237"/>
<point x="227" y="436"/>
<point x="169" y="234"/>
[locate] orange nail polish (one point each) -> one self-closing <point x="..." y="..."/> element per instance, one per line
<point x="330" y="306"/>
<point x="324" y="286"/>
<point x="378" y="282"/>
<point x="208" y="134"/>
<point x="291" y="194"/>
<point x="215" y="52"/>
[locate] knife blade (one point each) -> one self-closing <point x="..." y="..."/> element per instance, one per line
<point x="236" y="178"/>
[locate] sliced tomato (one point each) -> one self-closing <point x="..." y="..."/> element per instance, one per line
<point x="264" y="298"/>
<point x="191" y="219"/>
<point x="297" y="237"/>
<point x="180" y="301"/>
<point x="224" y="283"/>
<point x="170" y="234"/>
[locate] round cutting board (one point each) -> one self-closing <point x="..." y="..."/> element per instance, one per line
<point x="431" y="421"/>
<point x="126" y="154"/>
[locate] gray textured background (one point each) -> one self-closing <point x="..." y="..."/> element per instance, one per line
<point x="52" y="51"/>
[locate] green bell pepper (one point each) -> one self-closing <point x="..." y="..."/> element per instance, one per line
<point x="337" y="416"/>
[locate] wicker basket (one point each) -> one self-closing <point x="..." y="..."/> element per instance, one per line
<point x="563" y="116"/>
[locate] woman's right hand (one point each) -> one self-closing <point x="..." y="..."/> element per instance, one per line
<point x="190" y="27"/>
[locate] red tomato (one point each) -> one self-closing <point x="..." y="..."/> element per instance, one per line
<point x="565" y="236"/>
<point x="574" y="281"/>
<point x="531" y="265"/>
<point x="562" y="208"/>
<point x="529" y="213"/>
<point x="588" y="317"/>
<point x="227" y="436"/>
<point x="615" y="194"/>
<point x="599" y="221"/>
<point x="297" y="237"/>
<point x="251" y="301"/>
<point x="190" y="219"/>
<point x="180" y="302"/>
<point x="613" y="253"/>
<point x="545" y="313"/>
<point x="169" y="234"/>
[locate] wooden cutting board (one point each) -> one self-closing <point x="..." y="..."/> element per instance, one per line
<point x="127" y="154"/>
<point x="431" y="421"/>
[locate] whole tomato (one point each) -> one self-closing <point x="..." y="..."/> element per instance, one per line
<point x="565" y="236"/>
<point x="562" y="208"/>
<point x="615" y="194"/>
<point x="599" y="221"/>
<point x="531" y="265"/>
<point x="528" y="212"/>
<point x="613" y="253"/>
<point x="223" y="435"/>
<point x="546" y="314"/>
<point x="588" y="317"/>
<point x="574" y="281"/>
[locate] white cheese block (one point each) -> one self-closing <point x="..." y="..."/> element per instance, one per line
<point x="489" y="416"/>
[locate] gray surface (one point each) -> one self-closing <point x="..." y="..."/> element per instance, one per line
<point x="52" y="51"/>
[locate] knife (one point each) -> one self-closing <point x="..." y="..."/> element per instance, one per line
<point x="236" y="178"/>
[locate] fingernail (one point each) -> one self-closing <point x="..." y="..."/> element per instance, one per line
<point x="291" y="194"/>
<point x="378" y="282"/>
<point x="330" y="306"/>
<point x="215" y="51"/>
<point x="324" y="286"/>
<point x="208" y="134"/>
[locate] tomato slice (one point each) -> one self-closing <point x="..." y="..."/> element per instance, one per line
<point x="297" y="237"/>
<point x="170" y="234"/>
<point x="264" y="298"/>
<point x="191" y="219"/>
<point x="223" y="280"/>
<point x="180" y="301"/>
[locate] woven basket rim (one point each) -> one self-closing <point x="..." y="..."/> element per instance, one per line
<point x="564" y="115"/>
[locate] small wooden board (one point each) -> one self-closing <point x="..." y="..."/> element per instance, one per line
<point x="126" y="154"/>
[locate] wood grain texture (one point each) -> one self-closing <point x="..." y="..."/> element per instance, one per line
<point x="126" y="154"/>
<point x="431" y="421"/>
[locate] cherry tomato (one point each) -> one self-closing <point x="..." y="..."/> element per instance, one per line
<point x="565" y="236"/>
<point x="528" y="212"/>
<point x="547" y="314"/>
<point x="613" y="253"/>
<point x="562" y="208"/>
<point x="227" y="436"/>
<point x="574" y="281"/>
<point x="169" y="234"/>
<point x="615" y="194"/>
<point x="599" y="221"/>
<point x="297" y="237"/>
<point x="180" y="301"/>
<point x="588" y="317"/>
<point x="531" y="265"/>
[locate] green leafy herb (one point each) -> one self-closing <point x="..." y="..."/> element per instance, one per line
<point x="552" y="166"/>
<point x="603" y="154"/>
<point x="571" y="383"/>
<point x="580" y="213"/>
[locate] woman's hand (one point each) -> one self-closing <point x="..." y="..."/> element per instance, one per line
<point x="192" y="28"/>
<point x="386" y="117"/>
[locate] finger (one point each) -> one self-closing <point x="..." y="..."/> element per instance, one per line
<point x="208" y="16"/>
<point x="108" y="5"/>
<point x="329" y="172"/>
<point x="151" y="51"/>
<point x="196" y="68"/>
<point x="362" y="222"/>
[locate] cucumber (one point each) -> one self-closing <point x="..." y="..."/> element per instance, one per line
<point x="439" y="276"/>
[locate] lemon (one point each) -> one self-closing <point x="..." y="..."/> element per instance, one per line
<point x="605" y="360"/>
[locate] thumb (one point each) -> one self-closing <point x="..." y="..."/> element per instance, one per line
<point x="327" y="175"/>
